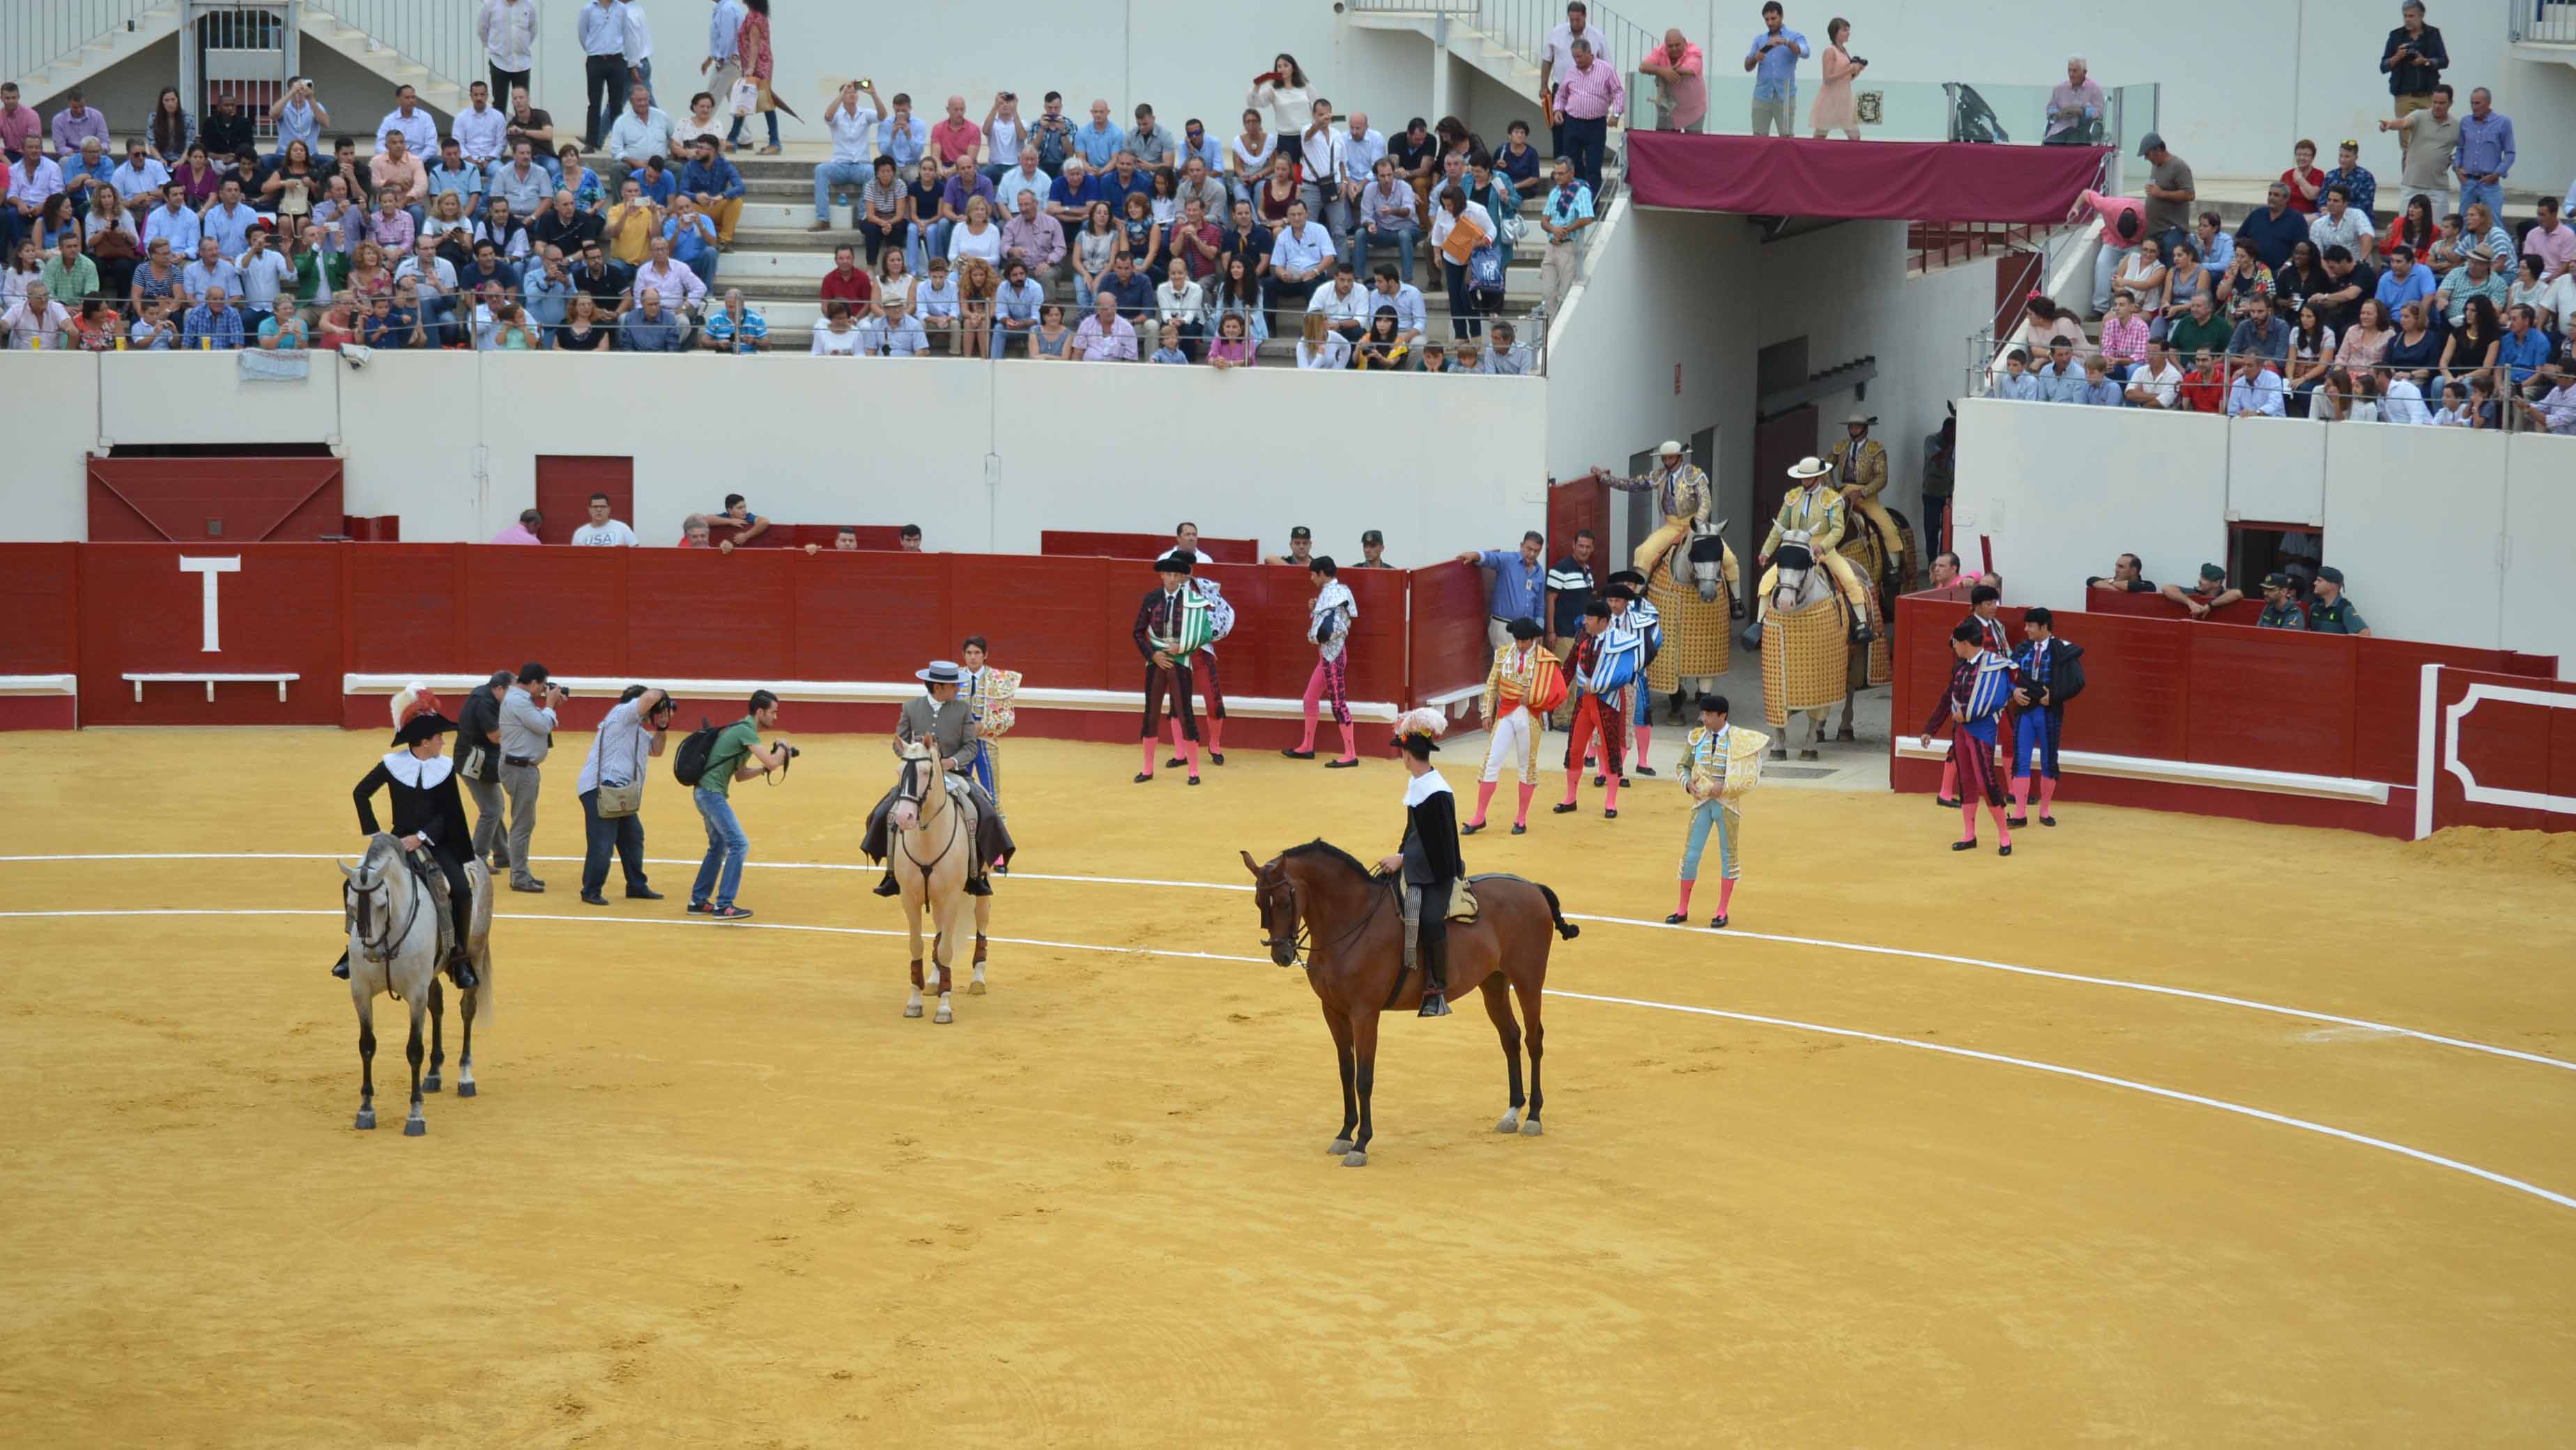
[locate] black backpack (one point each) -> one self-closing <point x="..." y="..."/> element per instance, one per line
<point x="689" y="765"/>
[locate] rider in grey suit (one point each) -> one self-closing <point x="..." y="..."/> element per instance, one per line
<point x="948" y="723"/>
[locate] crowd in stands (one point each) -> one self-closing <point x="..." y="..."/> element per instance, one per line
<point x="2423" y="303"/>
<point x="1034" y="236"/>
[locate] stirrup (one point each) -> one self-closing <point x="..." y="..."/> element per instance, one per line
<point x="1434" y="1004"/>
<point x="460" y="970"/>
<point x="888" y="886"/>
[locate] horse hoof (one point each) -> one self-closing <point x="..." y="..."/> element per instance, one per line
<point x="943" y="1016"/>
<point x="912" y="1010"/>
<point x="465" y="1090"/>
<point x="975" y="988"/>
<point x="1355" y="1159"/>
<point x="1511" y="1123"/>
<point x="1340" y="1147"/>
<point x="1531" y="1129"/>
<point x="1779" y="755"/>
<point x="415" y="1128"/>
<point x="366" y="1120"/>
<point x="429" y="1084"/>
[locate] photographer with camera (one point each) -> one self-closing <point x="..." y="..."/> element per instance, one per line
<point x="527" y="733"/>
<point x="738" y="755"/>
<point x="611" y="788"/>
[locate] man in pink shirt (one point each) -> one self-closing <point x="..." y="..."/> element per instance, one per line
<point x="2124" y="223"/>
<point x="17" y="122"/>
<point x="524" y="531"/>
<point x="956" y="137"/>
<point x="1588" y="98"/>
<point x="1680" y="84"/>
<point x="2553" y="242"/>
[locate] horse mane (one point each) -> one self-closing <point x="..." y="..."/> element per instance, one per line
<point x="382" y="848"/>
<point x="1326" y="849"/>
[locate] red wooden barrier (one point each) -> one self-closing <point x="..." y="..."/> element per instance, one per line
<point x="1450" y="646"/>
<point x="217" y="500"/>
<point x="1145" y="546"/>
<point x="2523" y="743"/>
<point x="2156" y="606"/>
<point x="140" y="612"/>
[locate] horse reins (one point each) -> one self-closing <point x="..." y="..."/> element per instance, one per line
<point x="956" y="828"/>
<point x="382" y="949"/>
<point x="1301" y="937"/>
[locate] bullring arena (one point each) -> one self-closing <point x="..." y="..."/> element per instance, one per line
<point x="2168" y="1129"/>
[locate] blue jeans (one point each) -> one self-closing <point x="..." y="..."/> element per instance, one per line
<point x="1401" y="236"/>
<point x="727" y="849"/>
<point x="625" y="834"/>
<point x="2490" y="192"/>
<point x="734" y="137"/>
<point x="853" y="174"/>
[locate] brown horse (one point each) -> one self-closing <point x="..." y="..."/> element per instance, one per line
<point x="1319" y="903"/>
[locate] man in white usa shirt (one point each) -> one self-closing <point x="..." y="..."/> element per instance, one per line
<point x="603" y="530"/>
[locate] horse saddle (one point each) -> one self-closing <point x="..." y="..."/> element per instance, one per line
<point x="1462" y="902"/>
<point x="425" y="867"/>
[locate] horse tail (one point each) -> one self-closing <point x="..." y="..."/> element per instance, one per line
<point x="1564" y="928"/>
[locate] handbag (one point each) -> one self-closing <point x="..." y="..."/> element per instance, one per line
<point x="1485" y="276"/>
<point x="616" y="802"/>
<point x="746" y="97"/>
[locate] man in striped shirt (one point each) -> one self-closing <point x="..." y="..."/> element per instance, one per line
<point x="737" y="329"/>
<point x="1570" y="583"/>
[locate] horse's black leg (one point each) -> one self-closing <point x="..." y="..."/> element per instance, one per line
<point x="1536" y="1035"/>
<point x="437" y="1036"/>
<point x="1341" y="1029"/>
<point x="1364" y="1047"/>
<point x="1498" y="1005"/>
<point x="415" y="1126"/>
<point x="367" y="1066"/>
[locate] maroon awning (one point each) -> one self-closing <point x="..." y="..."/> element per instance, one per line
<point x="1889" y="180"/>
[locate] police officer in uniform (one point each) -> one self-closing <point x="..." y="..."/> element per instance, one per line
<point x="2329" y="612"/>
<point x="2280" y="611"/>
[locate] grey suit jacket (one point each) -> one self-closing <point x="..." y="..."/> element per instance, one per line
<point x="951" y="727"/>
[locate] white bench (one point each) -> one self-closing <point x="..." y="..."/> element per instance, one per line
<point x="210" y="681"/>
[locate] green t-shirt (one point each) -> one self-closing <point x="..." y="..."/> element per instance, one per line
<point x="2188" y="336"/>
<point x="731" y="747"/>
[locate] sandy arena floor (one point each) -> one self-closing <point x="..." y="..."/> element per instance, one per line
<point x="716" y="1190"/>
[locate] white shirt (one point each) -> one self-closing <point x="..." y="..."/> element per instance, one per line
<point x="482" y="135"/>
<point x="1323" y="151"/>
<point x="1559" y="52"/>
<point x="611" y="534"/>
<point x="131" y="184"/>
<point x="2260" y="395"/>
<point x="1333" y="353"/>
<point x="1442" y="224"/>
<point x="2167" y="385"/>
<point x="963" y="243"/>
<point x="2352" y="233"/>
<point x="1360" y="154"/>
<point x="419" y="131"/>
<point x="852" y="130"/>
<point x="1356" y="305"/>
<point x="828" y="343"/>
<point x="2404" y="403"/>
<point x="1003" y="136"/>
<point x="442" y="274"/>
<point x="509" y="31"/>
<point x="639" y="33"/>
<point x="1184" y="305"/>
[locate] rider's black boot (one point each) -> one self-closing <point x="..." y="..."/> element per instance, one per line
<point x="977" y="886"/>
<point x="1435" y="980"/>
<point x="887" y="885"/>
<point x="460" y="969"/>
<point x="340" y="969"/>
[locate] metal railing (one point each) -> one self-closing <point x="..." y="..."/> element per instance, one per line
<point x="436" y="34"/>
<point x="36" y="33"/>
<point x="2544" y="22"/>
<point x="2464" y="397"/>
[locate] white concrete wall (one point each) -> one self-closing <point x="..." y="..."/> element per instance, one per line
<point x="51" y="422"/>
<point x="173" y="397"/>
<point x="2449" y="537"/>
<point x="449" y="442"/>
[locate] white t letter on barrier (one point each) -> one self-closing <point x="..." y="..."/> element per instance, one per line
<point x="214" y="598"/>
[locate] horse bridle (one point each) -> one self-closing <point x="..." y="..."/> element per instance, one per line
<point x="1301" y="936"/>
<point x="380" y="949"/>
<point x="921" y="797"/>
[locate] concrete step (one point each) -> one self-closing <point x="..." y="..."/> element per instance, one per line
<point x="803" y="253"/>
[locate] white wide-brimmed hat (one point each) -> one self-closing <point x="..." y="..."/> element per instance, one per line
<point x="1811" y="468"/>
<point x="941" y="672"/>
<point x="1670" y="447"/>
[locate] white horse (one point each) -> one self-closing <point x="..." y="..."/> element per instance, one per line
<point x="393" y="948"/>
<point x="1804" y="613"/>
<point x="933" y="842"/>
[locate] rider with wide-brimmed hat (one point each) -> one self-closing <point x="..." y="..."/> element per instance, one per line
<point x="428" y="815"/>
<point x="1428" y="862"/>
<point x="937" y="717"/>
<point x="1817" y="507"/>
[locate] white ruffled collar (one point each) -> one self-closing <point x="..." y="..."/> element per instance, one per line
<point x="1423" y="787"/>
<point x="417" y="773"/>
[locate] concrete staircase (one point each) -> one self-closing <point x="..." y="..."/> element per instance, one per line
<point x="443" y="94"/>
<point x="779" y="264"/>
<point x="42" y="80"/>
<point x="1502" y="39"/>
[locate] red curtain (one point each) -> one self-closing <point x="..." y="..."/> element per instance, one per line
<point x="1888" y="180"/>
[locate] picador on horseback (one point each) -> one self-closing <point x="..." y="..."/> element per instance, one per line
<point x="947" y="724"/>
